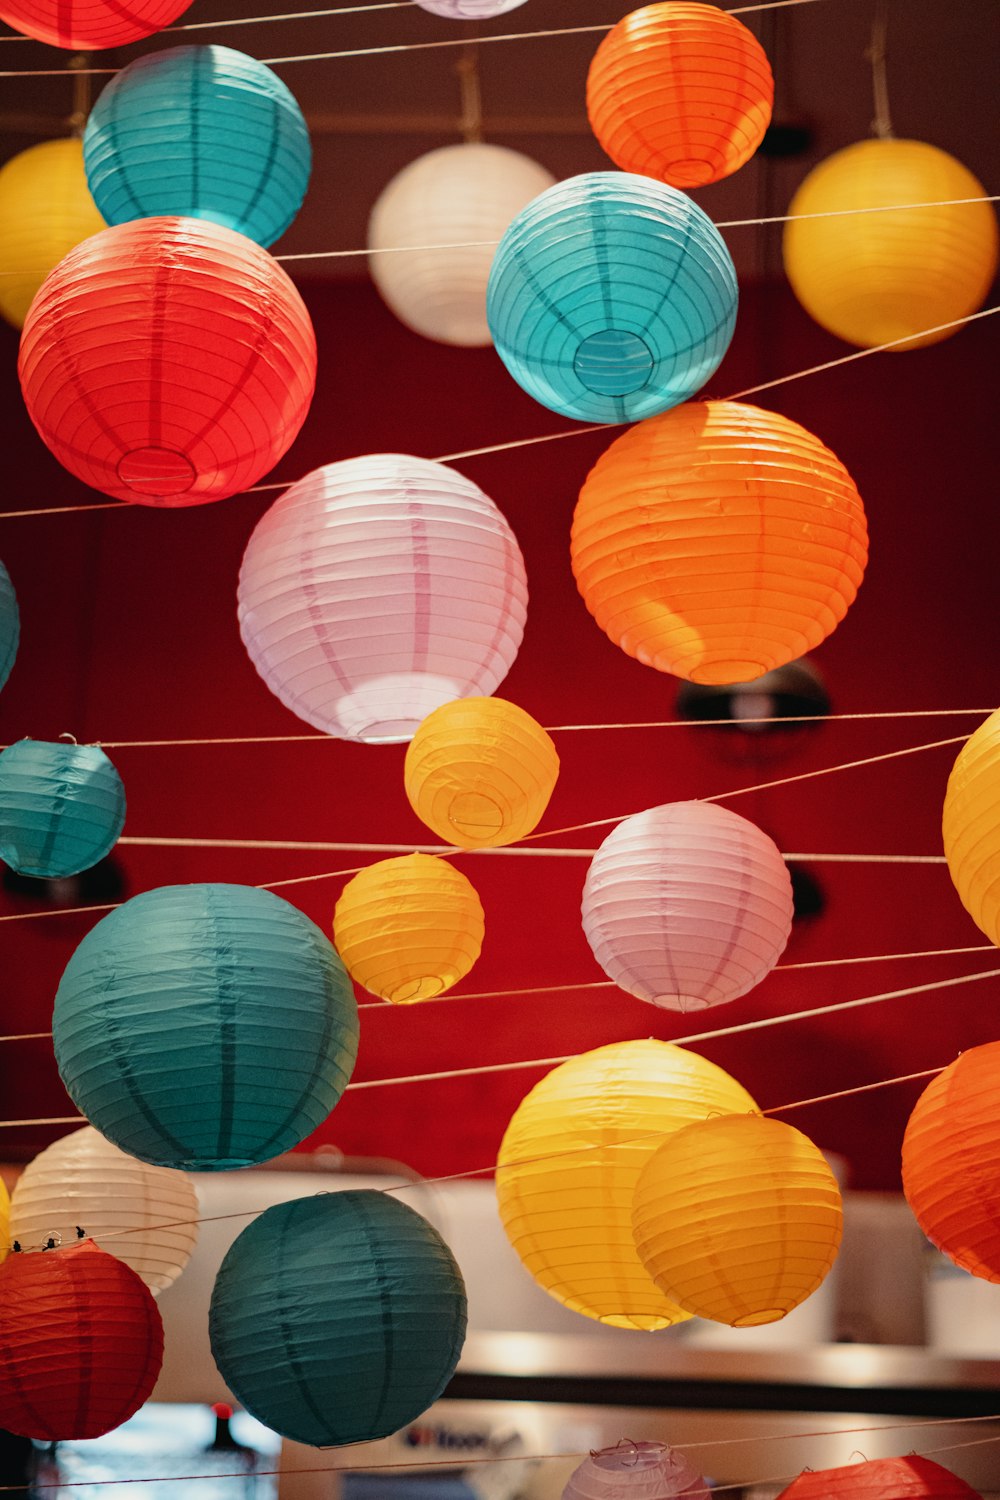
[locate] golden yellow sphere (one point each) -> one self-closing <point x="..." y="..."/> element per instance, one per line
<point x="45" y="209"/>
<point x="971" y="826"/>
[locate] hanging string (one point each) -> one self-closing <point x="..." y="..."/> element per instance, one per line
<point x="876" y="55"/>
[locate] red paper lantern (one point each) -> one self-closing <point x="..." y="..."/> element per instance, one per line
<point x="168" y="361"/>
<point x="910" y="1478"/>
<point x="87" y="25"/>
<point x="81" y="1341"/>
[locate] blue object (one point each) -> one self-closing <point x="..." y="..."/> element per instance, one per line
<point x="205" y="1026"/>
<point x="10" y="625"/>
<point x="611" y="297"/>
<point x="62" y="807"/>
<point x="338" y="1319"/>
<point x="202" y="132"/>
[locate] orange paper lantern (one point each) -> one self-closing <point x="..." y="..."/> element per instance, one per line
<point x="909" y="1478"/>
<point x="971" y="826"/>
<point x="681" y="92"/>
<point x="86" y="25"/>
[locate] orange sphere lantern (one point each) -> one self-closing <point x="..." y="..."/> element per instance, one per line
<point x="909" y="1478"/>
<point x="89" y="25"/>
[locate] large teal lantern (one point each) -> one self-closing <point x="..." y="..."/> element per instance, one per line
<point x="62" y="807"/>
<point x="200" y="132"/>
<point x="205" y="1026"/>
<point x="611" y="297"/>
<point x="338" y="1319"/>
<point x="10" y="625"/>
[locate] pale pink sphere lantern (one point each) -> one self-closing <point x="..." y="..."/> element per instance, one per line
<point x="469" y="10"/>
<point x="636" y="1471"/>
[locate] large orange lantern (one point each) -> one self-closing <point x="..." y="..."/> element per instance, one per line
<point x="909" y="1478"/>
<point x="87" y="25"/>
<point x="971" y="826"/>
<point x="718" y="541"/>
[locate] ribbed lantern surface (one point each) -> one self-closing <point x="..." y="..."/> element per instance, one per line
<point x="718" y="541"/>
<point x="569" y="1162"/>
<point x="10" y="625"/>
<point x="205" y="1026"/>
<point x="687" y="905"/>
<point x="459" y="198"/>
<point x="45" y="209"/>
<point x="635" y="1471"/>
<point x="611" y="297"/>
<point x="480" y="771"/>
<point x="62" y="807"/>
<point x="84" y="1181"/>
<point x="469" y="10"/>
<point x="338" y="1319"/>
<point x="908" y="1478"/>
<point x="202" y="131"/>
<point x="971" y="826"/>
<point x="951" y="1161"/>
<point x="168" y="361"/>
<point x="681" y="92"/>
<point x="378" y="588"/>
<point x="874" y="277"/>
<point x="89" y="25"/>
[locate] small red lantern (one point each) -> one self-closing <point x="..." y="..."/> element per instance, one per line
<point x="87" y="25"/>
<point x="82" y="1343"/>
<point x="910" y="1478"/>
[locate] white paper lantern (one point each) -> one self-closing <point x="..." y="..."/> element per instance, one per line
<point x="469" y="10"/>
<point x="636" y="1471"/>
<point x="376" y="589"/>
<point x="459" y="195"/>
<point x="84" y="1181"/>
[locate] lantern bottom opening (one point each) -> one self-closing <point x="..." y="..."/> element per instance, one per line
<point x="613" y="363"/>
<point x="721" y="673"/>
<point x="475" y="816"/>
<point x="755" y="1319"/>
<point x="415" y="990"/>
<point x="156" y="473"/>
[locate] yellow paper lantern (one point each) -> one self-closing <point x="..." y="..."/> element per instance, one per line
<point x="971" y="826"/>
<point x="479" y="772"/>
<point x="408" y="929"/>
<point x="737" y="1219"/>
<point x="45" y="209"/>
<point x="874" y="277"/>
<point x="570" y="1160"/>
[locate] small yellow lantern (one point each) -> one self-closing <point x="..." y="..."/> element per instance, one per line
<point x="971" y="826"/>
<point x="737" y="1219"/>
<point x="408" y="929"/>
<point x="45" y="209"/>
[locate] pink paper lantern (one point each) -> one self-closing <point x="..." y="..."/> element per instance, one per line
<point x="469" y="10"/>
<point x="636" y="1471"/>
<point x="687" y="905"/>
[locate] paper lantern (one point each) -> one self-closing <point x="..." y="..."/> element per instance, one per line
<point x="462" y="196"/>
<point x="738" y="1219"/>
<point x="338" y="1319"/>
<point x="635" y="1471"/>
<point x="569" y="1162"/>
<point x="971" y="826"/>
<point x="408" y="929"/>
<point x="375" y="590"/>
<point x="10" y="625"/>
<point x="469" y="10"/>
<point x="168" y="361"/>
<point x="83" y="1181"/>
<point x="681" y="92"/>
<point x="205" y="1026"/>
<point x="874" y="277"/>
<point x="687" y="905"/>
<point x="82" y="1343"/>
<point x="62" y="807"/>
<point x="206" y="132"/>
<point x="479" y="772"/>
<point x="611" y="297"/>
<point x="909" y="1478"/>
<point x="718" y="542"/>
<point x="951" y="1161"/>
<point x="45" y="209"/>
<point x="89" y="25"/>
<point x="4" y="1220"/>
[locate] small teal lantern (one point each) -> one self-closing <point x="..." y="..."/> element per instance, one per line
<point x="10" y="625"/>
<point x="611" y="297"/>
<point x="205" y="1026"/>
<point x="62" y="807"/>
<point x="201" y="132"/>
<point x="338" y="1319"/>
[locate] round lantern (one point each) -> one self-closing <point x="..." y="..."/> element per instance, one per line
<point x="681" y="92"/>
<point x="469" y="10"/>
<point x="479" y="772"/>
<point x="45" y="209"/>
<point x="10" y="625"/>
<point x="378" y="588"/>
<point x="168" y="361"/>
<point x="737" y="1219"/>
<point x="62" y="807"/>
<point x="205" y="1026"/>
<point x="89" y="25"/>
<point x="462" y="196"/>
<point x="909" y="1478"/>
<point x="687" y="905"/>
<point x="718" y="542"/>
<point x="951" y="1161"/>
<point x="636" y="1471"/>
<point x="408" y="929"/>
<point x="149" y="1214"/>
<point x="971" y="826"/>
<point x="874" y="277"/>
<point x="82" y="1342"/>
<point x="202" y="131"/>
<point x="611" y="297"/>
<point x="570" y="1159"/>
<point x="338" y="1319"/>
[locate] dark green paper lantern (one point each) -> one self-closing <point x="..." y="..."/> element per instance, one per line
<point x="62" y="807"/>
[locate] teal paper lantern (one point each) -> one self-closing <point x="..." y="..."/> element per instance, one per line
<point x="203" y="133"/>
<point x="10" y="625"/>
<point x="205" y="1026"/>
<point x="62" y="807"/>
<point x="338" y="1319"/>
<point x="611" y="297"/>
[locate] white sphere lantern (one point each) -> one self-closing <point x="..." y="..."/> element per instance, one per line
<point x="469" y="10"/>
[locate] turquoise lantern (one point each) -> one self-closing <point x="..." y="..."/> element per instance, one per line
<point x="205" y="1026"/>
<point x="338" y="1319"/>
<point x="203" y="133"/>
<point x="10" y="625"/>
<point x="611" y="297"/>
<point x="62" y="807"/>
